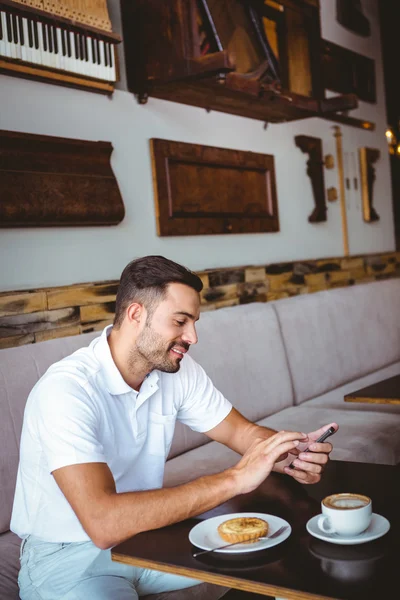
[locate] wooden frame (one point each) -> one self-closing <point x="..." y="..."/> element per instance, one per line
<point x="202" y="190"/>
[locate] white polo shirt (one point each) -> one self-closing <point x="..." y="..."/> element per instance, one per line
<point x="82" y="411"/>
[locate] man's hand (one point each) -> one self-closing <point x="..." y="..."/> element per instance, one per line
<point x="258" y="461"/>
<point x="308" y="466"/>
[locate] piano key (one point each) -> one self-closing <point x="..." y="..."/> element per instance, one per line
<point x="42" y="44"/>
<point x="28" y="39"/>
<point x="60" y="46"/>
<point x="106" y="54"/>
<point x="49" y="38"/>
<point x="68" y="41"/>
<point x="24" y="55"/>
<point x="90" y="57"/>
<point x="43" y="27"/>
<point x="77" y="48"/>
<point x="3" y="36"/>
<point x="55" y="47"/>
<point x="35" y="29"/>
<point x="10" y="37"/>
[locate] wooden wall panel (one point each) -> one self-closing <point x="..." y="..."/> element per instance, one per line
<point x="29" y="317"/>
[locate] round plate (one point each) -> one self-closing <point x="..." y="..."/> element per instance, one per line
<point x="378" y="527"/>
<point x="205" y="535"/>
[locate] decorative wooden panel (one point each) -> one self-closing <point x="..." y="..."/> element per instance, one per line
<point x="368" y="157"/>
<point x="347" y="72"/>
<point x="315" y="170"/>
<point x="48" y="181"/>
<point x="202" y="190"/>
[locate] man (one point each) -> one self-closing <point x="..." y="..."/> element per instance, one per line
<point x="97" y="431"/>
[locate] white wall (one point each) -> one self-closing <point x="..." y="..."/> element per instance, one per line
<point x="41" y="257"/>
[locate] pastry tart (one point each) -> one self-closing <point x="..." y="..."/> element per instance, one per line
<point x="243" y="529"/>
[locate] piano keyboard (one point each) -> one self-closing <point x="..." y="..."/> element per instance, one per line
<point x="46" y="45"/>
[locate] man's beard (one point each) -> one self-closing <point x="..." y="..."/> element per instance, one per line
<point x="151" y="347"/>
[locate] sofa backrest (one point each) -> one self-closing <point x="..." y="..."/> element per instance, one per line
<point x="242" y="351"/>
<point x="336" y="336"/>
<point x="20" y="368"/>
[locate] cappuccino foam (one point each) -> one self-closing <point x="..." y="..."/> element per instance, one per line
<point x="346" y="501"/>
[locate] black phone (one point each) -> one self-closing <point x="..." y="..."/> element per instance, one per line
<point x="321" y="438"/>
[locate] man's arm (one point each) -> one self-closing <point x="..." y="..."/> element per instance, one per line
<point x="110" y="518"/>
<point x="236" y="432"/>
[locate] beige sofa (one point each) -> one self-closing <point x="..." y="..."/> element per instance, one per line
<point x="284" y="364"/>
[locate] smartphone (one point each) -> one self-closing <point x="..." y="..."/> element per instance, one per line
<point x="322" y="438"/>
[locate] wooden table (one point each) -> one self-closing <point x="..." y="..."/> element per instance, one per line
<point x="302" y="567"/>
<point x="382" y="392"/>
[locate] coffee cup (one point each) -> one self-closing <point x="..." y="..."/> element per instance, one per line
<point x="346" y="514"/>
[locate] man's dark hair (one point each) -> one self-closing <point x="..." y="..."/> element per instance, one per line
<point x="145" y="281"/>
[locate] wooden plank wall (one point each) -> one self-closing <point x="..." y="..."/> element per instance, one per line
<point x="33" y="316"/>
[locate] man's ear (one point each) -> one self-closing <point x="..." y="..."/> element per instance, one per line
<point x="136" y="313"/>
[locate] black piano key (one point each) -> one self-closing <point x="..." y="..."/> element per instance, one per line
<point x="9" y="27"/>
<point x="86" y="42"/>
<point x="68" y="40"/>
<point x="106" y="53"/>
<point x="82" y="47"/>
<point x="63" y="42"/>
<point x="55" y="40"/>
<point x="111" y="54"/>
<point x="94" y="56"/>
<point x="98" y="52"/>
<point x="1" y="30"/>
<point x="77" y="49"/>
<point x="21" y="31"/>
<point x="30" y="33"/>
<point x="35" y="31"/>
<point x="50" y="38"/>
<point x="44" y="34"/>
<point x="14" y="28"/>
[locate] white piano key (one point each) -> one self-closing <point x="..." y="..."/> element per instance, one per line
<point x="36" y="51"/>
<point x="90" y="57"/>
<point x="4" y="51"/>
<point x="60" y="55"/>
<point x="14" y="22"/>
<point x="42" y="51"/>
<point x="102" y="61"/>
<point x="73" y="60"/>
<point x="26" y="49"/>
<point x="52" y="52"/>
<point x="10" y="37"/>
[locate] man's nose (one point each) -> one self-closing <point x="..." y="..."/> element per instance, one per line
<point x="190" y="335"/>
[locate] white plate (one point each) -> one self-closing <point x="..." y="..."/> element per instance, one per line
<point x="378" y="527"/>
<point x="205" y="535"/>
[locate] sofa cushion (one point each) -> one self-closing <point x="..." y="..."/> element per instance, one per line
<point x="9" y="565"/>
<point x="241" y="350"/>
<point x="335" y="398"/>
<point x="339" y="335"/>
<point x="363" y="436"/>
<point x="20" y="368"/>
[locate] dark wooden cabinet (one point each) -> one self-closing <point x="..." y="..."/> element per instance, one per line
<point x="256" y="58"/>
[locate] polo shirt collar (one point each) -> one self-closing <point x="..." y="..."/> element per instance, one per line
<point x="115" y="383"/>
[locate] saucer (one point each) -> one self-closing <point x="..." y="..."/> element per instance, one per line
<point x="377" y="528"/>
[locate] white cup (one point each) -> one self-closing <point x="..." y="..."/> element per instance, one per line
<point x="345" y="514"/>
